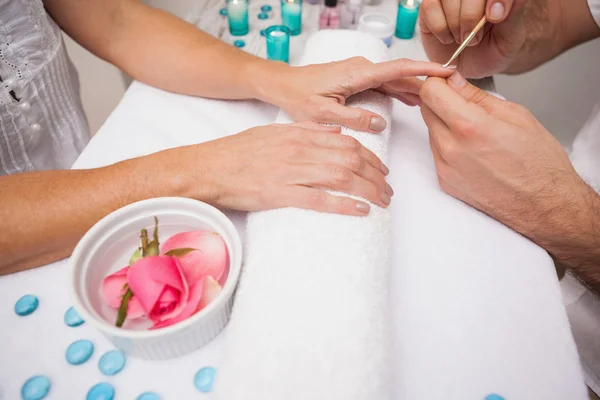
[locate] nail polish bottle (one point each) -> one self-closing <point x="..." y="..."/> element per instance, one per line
<point x="330" y="15"/>
<point x="351" y="12"/>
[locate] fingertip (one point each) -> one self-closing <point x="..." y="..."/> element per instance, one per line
<point x="377" y="124"/>
<point x="457" y="80"/>
<point x="496" y="12"/>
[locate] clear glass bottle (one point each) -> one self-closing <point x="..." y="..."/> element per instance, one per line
<point x="372" y="2"/>
<point x="351" y="12"/>
<point x="330" y="15"/>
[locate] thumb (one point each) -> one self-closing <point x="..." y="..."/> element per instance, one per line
<point x="473" y="94"/>
<point x="509" y="36"/>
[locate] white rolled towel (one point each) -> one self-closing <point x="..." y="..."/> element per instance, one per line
<point x="311" y="317"/>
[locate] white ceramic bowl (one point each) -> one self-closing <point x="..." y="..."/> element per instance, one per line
<point x="107" y="247"/>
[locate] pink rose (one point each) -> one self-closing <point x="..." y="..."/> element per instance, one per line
<point x="163" y="292"/>
<point x="207" y="255"/>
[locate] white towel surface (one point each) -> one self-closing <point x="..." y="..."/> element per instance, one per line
<point x="311" y="317"/>
<point x="477" y="308"/>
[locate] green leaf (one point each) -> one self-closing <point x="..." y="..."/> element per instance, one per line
<point x="123" y="308"/>
<point x="135" y="256"/>
<point x="179" y="252"/>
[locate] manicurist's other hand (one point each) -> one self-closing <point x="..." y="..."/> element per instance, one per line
<point x="494" y="155"/>
<point x="444" y="24"/>
<point x="319" y="92"/>
<point x="288" y="165"/>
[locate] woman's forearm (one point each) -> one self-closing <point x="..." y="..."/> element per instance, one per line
<point x="44" y="214"/>
<point x="164" y="51"/>
<point x="553" y="27"/>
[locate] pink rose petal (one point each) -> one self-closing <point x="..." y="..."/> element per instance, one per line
<point x="211" y="290"/>
<point x="190" y="309"/>
<point x="134" y="309"/>
<point x="112" y="287"/>
<point x="112" y="292"/>
<point x="149" y="276"/>
<point x="210" y="258"/>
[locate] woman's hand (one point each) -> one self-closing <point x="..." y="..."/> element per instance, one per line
<point x="319" y="92"/>
<point x="279" y="166"/>
<point x="445" y="23"/>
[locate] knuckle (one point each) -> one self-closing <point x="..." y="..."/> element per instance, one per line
<point x="520" y="110"/>
<point x="478" y="96"/>
<point x="449" y="151"/>
<point x="360" y="60"/>
<point x="353" y="160"/>
<point x="350" y="143"/>
<point x="469" y="19"/>
<point x="322" y="111"/>
<point x="467" y="128"/>
<point x="341" y="176"/>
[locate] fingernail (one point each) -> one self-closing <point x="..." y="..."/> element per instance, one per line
<point x="384" y="169"/>
<point x="386" y="199"/>
<point x="389" y="190"/>
<point x="496" y="11"/>
<point x="448" y="39"/>
<point x="457" y="80"/>
<point x="363" y="207"/>
<point x="452" y="67"/>
<point x="377" y="124"/>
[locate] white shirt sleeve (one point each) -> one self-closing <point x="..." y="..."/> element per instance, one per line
<point x="595" y="9"/>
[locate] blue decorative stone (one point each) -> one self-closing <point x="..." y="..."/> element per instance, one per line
<point x="79" y="352"/>
<point x="263" y="32"/>
<point x="223" y="11"/>
<point x="148" y="396"/>
<point x="204" y="379"/>
<point x="266" y="8"/>
<point x="263" y="15"/>
<point x="72" y="318"/>
<point x="493" y="397"/>
<point x="111" y="362"/>
<point x="101" y="391"/>
<point x="36" y="388"/>
<point x="239" y="43"/>
<point x="26" y="305"/>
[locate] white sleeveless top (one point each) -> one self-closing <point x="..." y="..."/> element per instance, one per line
<point x="42" y="123"/>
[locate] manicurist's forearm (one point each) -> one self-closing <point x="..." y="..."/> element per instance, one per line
<point x="44" y="214"/>
<point x="571" y="234"/>
<point x="162" y="50"/>
<point x="553" y="26"/>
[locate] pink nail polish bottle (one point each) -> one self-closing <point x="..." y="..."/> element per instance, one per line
<point x="330" y="15"/>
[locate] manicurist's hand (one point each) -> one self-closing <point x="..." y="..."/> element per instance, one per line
<point x="445" y="23"/>
<point x="318" y="92"/>
<point x="287" y="166"/>
<point x="494" y="155"/>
